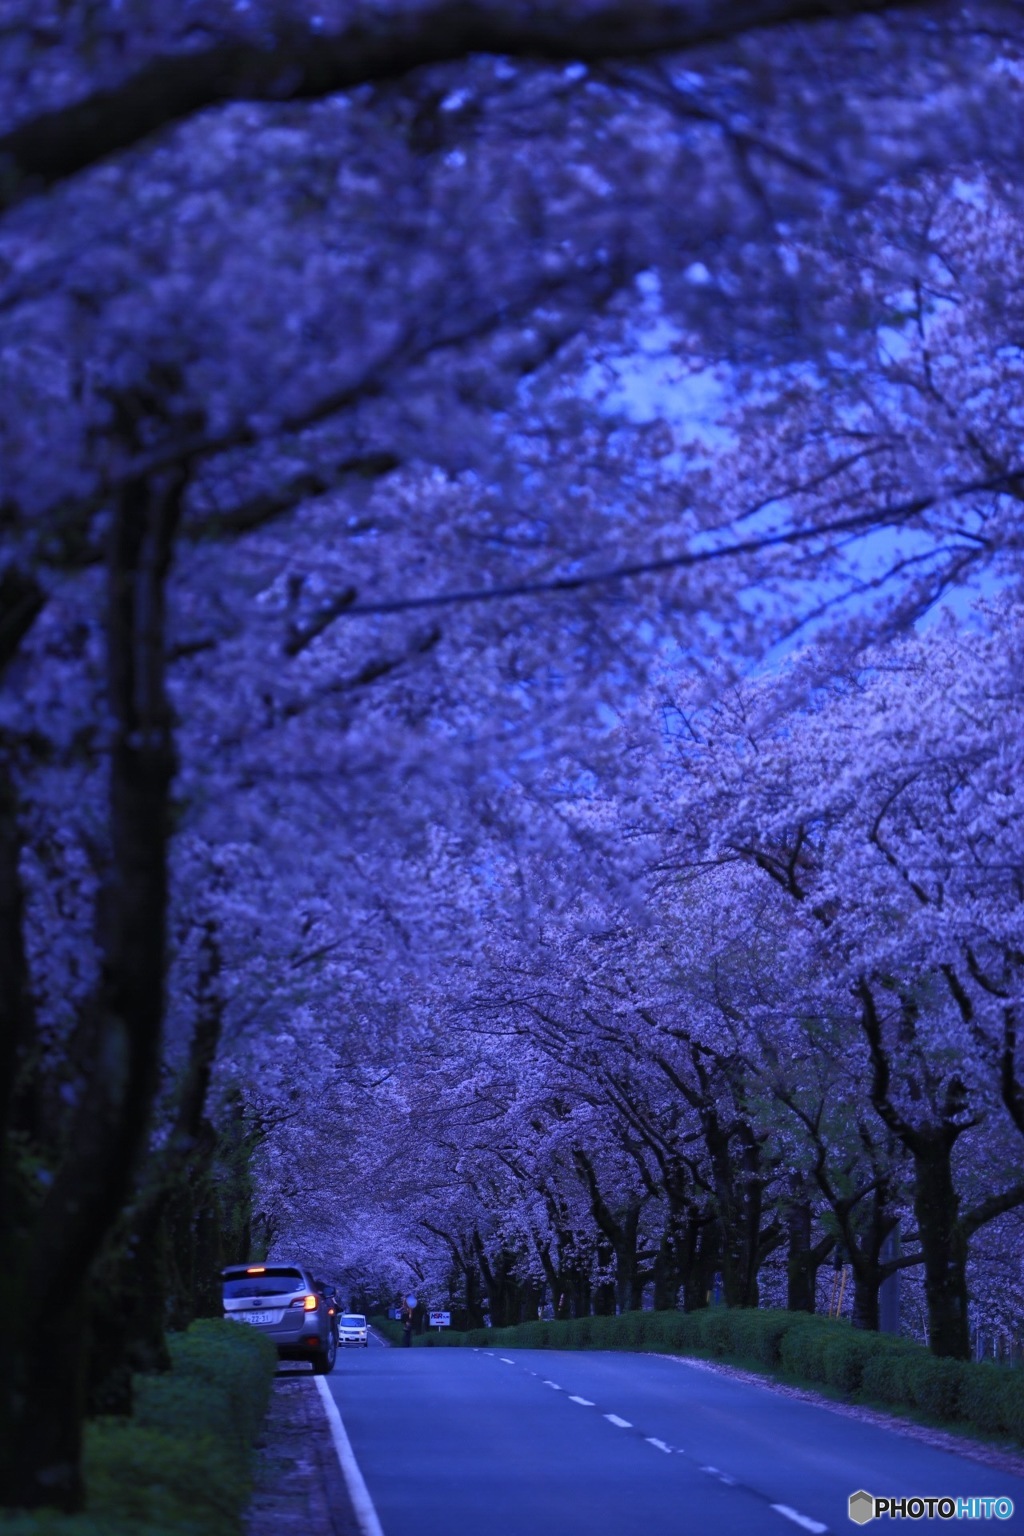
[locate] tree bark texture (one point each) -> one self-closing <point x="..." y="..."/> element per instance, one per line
<point x="42" y="1332"/>
<point x="944" y="1246"/>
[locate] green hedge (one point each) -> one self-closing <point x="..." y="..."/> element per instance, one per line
<point x="870" y="1367"/>
<point x="181" y="1465"/>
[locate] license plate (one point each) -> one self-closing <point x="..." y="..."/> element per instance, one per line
<point x="255" y="1317"/>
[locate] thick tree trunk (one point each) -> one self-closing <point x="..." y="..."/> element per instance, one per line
<point x="47" y="1264"/>
<point x="132" y="1282"/>
<point x="528" y="1303"/>
<point x="21" y="600"/>
<point x="474" y="1311"/>
<point x="617" y="1242"/>
<point x="127" y="1316"/>
<point x="494" y="1279"/>
<point x="604" y="1288"/>
<point x="739" y="1191"/>
<point x="628" y="1286"/>
<point x="944" y="1247"/>
<point x="676" y="1254"/>
<point x="865" y="1259"/>
<point x="866" y="1283"/>
<point x="708" y="1241"/>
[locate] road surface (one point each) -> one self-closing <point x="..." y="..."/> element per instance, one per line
<point x="460" y="1442"/>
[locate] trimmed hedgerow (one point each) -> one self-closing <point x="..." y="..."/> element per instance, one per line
<point x="181" y="1465"/>
<point x="871" y="1367"/>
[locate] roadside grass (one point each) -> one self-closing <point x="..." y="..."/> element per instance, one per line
<point x="181" y="1465"/>
<point x="871" y="1369"/>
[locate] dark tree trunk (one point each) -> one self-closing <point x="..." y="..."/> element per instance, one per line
<point x="865" y="1299"/>
<point x="617" y="1241"/>
<point x="604" y="1288"/>
<point x="131" y="1301"/>
<point x="474" y="1311"/>
<point x="803" y="1260"/>
<point x="127" y="1317"/>
<point x="628" y="1286"/>
<point x="945" y="1250"/>
<point x="708" y="1239"/>
<point x="494" y="1279"/>
<point x="44" y="1303"/>
<point x="800" y="1270"/>
<point x="676" y="1254"/>
<point x="739" y="1192"/>
<point x="942" y="1234"/>
<point x="528" y="1305"/>
<point x="865" y="1250"/>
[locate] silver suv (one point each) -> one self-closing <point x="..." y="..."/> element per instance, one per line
<point x="281" y="1301"/>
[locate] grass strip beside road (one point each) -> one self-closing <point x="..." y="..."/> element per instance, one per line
<point x="875" y="1369"/>
<point x="182" y="1462"/>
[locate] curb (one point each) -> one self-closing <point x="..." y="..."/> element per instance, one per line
<point x="359" y="1494"/>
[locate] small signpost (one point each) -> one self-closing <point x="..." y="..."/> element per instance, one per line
<point x="440" y="1319"/>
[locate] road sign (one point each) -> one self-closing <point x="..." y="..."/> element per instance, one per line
<point x="410" y="1301"/>
<point x="440" y="1319"/>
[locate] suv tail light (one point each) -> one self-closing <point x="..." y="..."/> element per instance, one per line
<point x="307" y="1303"/>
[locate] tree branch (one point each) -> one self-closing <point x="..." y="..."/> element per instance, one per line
<point x="889" y="517"/>
<point x="294" y="63"/>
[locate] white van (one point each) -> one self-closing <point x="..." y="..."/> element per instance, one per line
<point x="352" y="1329"/>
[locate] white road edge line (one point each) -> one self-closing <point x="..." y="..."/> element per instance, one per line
<point x="808" y="1524"/>
<point x="366" y="1515"/>
<point x="505" y="1360"/>
<point x="584" y="1402"/>
<point x="613" y="1418"/>
<point x="659" y="1445"/>
<point x="552" y="1384"/>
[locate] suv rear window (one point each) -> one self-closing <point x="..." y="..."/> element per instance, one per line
<point x="272" y="1282"/>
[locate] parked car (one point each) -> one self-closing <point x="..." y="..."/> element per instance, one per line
<point x="282" y="1301"/>
<point x="352" y="1329"/>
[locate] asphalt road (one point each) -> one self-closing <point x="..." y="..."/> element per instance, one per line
<point x="460" y="1442"/>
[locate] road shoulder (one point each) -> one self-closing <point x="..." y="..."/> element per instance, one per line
<point x="995" y="1456"/>
<point x="298" y="1484"/>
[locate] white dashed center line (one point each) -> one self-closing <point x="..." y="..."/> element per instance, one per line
<point x="808" y="1524"/>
